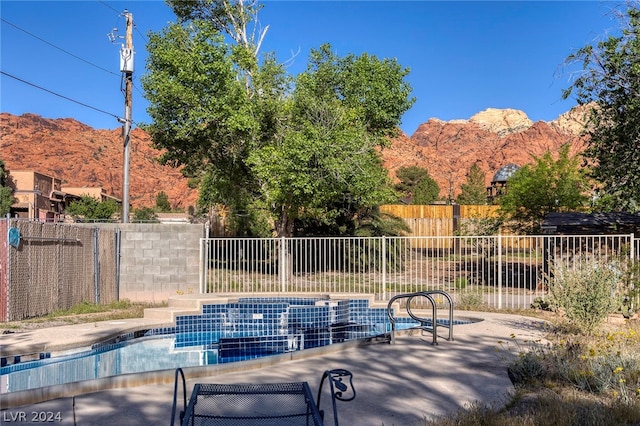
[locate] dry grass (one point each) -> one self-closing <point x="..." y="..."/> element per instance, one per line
<point x="576" y="380"/>
<point x="83" y="313"/>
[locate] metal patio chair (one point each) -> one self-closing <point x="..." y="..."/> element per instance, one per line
<point x="276" y="404"/>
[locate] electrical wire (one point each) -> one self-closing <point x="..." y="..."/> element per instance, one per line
<point x="61" y="96"/>
<point x="110" y="7"/>
<point x="59" y="48"/>
<point x="135" y="27"/>
<point x="77" y="57"/>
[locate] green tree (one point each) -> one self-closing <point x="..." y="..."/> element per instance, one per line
<point x="610" y="80"/>
<point x="144" y="215"/>
<point x="474" y="191"/>
<point x="6" y="193"/>
<point x="89" y="208"/>
<point x="162" y="202"/>
<point x="417" y="184"/>
<point x="259" y="139"/>
<point x="546" y="186"/>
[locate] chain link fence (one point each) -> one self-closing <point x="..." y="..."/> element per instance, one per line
<point x="51" y="266"/>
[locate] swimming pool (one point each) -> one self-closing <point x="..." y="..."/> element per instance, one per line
<point x="247" y="329"/>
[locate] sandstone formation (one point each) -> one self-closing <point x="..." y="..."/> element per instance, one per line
<point x="502" y="121"/>
<point x="83" y="156"/>
<point x="492" y="139"/>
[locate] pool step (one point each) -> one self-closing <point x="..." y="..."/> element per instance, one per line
<point x="167" y="314"/>
<point x="187" y="304"/>
<point x="191" y="304"/>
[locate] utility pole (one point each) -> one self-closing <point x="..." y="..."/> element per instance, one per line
<point x="126" y="67"/>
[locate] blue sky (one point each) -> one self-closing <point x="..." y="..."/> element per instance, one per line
<point x="464" y="57"/>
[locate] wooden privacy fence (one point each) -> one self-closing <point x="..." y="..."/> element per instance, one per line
<point x="438" y="220"/>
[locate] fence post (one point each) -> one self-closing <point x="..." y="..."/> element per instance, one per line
<point x="384" y="267"/>
<point x="632" y="259"/>
<point x="203" y="263"/>
<point x="96" y="266"/>
<point x="117" y="254"/>
<point x="283" y="265"/>
<point x="500" y="271"/>
<point x="5" y="271"/>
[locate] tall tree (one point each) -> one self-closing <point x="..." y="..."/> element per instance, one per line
<point x="474" y="191"/>
<point x="610" y="79"/>
<point x="417" y="184"/>
<point x="262" y="140"/>
<point x="6" y="193"/>
<point x="548" y="185"/>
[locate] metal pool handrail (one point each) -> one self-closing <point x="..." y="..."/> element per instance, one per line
<point x="426" y="294"/>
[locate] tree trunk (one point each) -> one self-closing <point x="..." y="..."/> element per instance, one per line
<point x="284" y="224"/>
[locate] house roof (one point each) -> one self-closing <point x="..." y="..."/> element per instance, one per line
<point x="504" y="173"/>
<point x="603" y="222"/>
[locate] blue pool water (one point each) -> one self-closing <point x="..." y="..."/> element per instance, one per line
<point x="250" y="328"/>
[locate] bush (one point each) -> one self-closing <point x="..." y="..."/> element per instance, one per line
<point x="630" y="287"/>
<point x="145" y="215"/>
<point x="90" y="208"/>
<point x="584" y="293"/>
<point x="472" y="299"/>
<point x="541" y="304"/>
<point x="461" y="283"/>
<point x="527" y="369"/>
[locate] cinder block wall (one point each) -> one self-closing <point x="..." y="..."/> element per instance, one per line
<point x="159" y="260"/>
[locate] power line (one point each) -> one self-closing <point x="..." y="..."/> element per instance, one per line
<point x="118" y="12"/>
<point x="61" y="96"/>
<point x="59" y="48"/>
<point x="110" y="7"/>
<point x="141" y="34"/>
<point x="75" y="56"/>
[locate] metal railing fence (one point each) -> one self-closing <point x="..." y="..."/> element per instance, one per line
<point x="502" y="271"/>
<point x="54" y="267"/>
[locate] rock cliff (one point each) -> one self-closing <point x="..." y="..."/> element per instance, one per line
<point x="492" y="138"/>
<point x="82" y="156"/>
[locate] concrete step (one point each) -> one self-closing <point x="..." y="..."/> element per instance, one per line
<point x="184" y="304"/>
<point x="168" y="314"/>
<point x="194" y="301"/>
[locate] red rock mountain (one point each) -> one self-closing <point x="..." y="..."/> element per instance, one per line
<point x="492" y="139"/>
<point x="82" y="156"/>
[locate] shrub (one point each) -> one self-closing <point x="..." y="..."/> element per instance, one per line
<point x="527" y="369"/>
<point x="584" y="293"/>
<point x="630" y="287"/>
<point x="461" y="283"/>
<point x="145" y="214"/>
<point x="470" y="300"/>
<point x="601" y="363"/>
<point x="541" y="304"/>
<point x="90" y="208"/>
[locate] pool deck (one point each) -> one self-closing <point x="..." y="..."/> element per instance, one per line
<point x="400" y="384"/>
